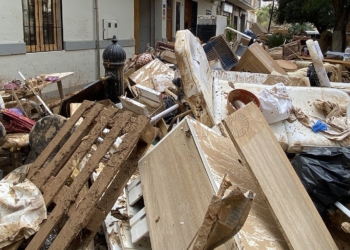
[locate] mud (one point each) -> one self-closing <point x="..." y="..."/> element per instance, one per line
<point x="85" y="210"/>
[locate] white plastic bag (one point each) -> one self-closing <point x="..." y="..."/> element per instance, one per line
<point x="275" y="103"/>
<point x="22" y="207"/>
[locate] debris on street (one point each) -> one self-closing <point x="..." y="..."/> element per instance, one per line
<point x="227" y="143"/>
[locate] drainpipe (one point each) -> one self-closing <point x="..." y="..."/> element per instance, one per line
<point x="97" y="29"/>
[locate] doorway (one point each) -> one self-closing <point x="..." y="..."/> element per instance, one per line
<point x="145" y="24"/>
<point x="169" y="20"/>
<point x="194" y="17"/>
<point x="188" y="14"/>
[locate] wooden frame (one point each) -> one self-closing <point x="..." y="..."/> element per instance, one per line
<point x="39" y="30"/>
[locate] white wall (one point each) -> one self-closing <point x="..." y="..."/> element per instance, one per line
<point x="203" y="6"/>
<point x="78" y="20"/>
<point x="11" y="21"/>
<point x="78" y="25"/>
<point x="160" y="21"/>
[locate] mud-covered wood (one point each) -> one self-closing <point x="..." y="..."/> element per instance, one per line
<point x="74" y="209"/>
<point x="37" y="165"/>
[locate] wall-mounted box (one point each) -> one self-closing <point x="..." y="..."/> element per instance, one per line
<point x="110" y="28"/>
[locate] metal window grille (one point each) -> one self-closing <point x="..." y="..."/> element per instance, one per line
<point x="42" y="25"/>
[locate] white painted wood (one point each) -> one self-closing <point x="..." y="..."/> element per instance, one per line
<point x="124" y="231"/>
<point x="134" y="193"/>
<point x="318" y="64"/>
<point x="134" y="106"/>
<point x="148" y="93"/>
<point x="133" y="184"/>
<point x="133" y="221"/>
<point x="139" y="226"/>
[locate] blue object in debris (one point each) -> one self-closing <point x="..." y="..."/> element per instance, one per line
<point x="319" y="126"/>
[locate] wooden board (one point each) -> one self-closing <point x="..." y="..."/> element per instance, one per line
<point x="86" y="211"/>
<point x="176" y="190"/>
<point x="287" y="198"/>
<point x="260" y="230"/>
<point x="345" y="64"/>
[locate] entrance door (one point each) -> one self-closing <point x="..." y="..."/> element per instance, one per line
<point x="188" y="14"/>
<point x="169" y="20"/>
<point x="145" y="24"/>
<point x="194" y="17"/>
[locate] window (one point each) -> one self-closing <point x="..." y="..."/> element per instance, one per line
<point x="42" y="25"/>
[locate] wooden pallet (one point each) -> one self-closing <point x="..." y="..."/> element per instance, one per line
<point x="79" y="213"/>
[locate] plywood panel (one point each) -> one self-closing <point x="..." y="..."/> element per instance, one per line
<point x="260" y="230"/>
<point x="176" y="190"/>
<point x="287" y="198"/>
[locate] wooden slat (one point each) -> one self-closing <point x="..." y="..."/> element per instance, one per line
<point x="39" y="162"/>
<point x="85" y="210"/>
<point x="289" y="202"/>
<point x="69" y="147"/>
<point x="344" y="63"/>
<point x="176" y="190"/>
<point x="77" y="156"/>
<point x="114" y="191"/>
<point x="66" y="195"/>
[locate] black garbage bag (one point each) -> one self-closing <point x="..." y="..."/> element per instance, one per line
<point x="325" y="174"/>
<point x="169" y="102"/>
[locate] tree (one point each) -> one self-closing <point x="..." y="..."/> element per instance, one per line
<point x="324" y="14"/>
<point x="263" y="15"/>
<point x="317" y="12"/>
<point x="341" y="13"/>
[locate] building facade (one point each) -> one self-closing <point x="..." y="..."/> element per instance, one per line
<point x="49" y="36"/>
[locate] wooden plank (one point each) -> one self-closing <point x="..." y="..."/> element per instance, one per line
<point x="85" y="210"/>
<point x="113" y="192"/>
<point x="77" y="156"/>
<point x="260" y="231"/>
<point x="345" y="64"/>
<point x="39" y="162"/>
<point x="124" y="231"/>
<point x="66" y="195"/>
<point x="70" y="146"/>
<point x="134" y="106"/>
<point x="149" y="93"/>
<point x="176" y="190"/>
<point x="134" y="191"/>
<point x="287" y="198"/>
<point x="139" y="227"/>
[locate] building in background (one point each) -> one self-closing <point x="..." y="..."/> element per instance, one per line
<point x="49" y="36"/>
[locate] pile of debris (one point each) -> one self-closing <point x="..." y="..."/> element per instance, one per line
<point x="214" y="145"/>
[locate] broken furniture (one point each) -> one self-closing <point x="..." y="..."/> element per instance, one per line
<point x="144" y="75"/>
<point x="256" y="60"/>
<point x="180" y="175"/>
<point x="219" y="48"/>
<point x="44" y="81"/>
<point x="290" y="204"/>
<point x="207" y="93"/>
<point x="293" y="137"/>
<point x="148" y="102"/>
<point x="84" y="212"/>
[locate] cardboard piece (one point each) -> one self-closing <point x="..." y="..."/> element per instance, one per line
<point x="256" y="60"/>
<point x="143" y="76"/>
<point x="258" y="29"/>
<point x="168" y="56"/>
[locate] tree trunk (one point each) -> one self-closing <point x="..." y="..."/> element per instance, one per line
<point x="341" y="12"/>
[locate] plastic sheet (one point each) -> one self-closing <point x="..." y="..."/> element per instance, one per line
<point x="275" y="103"/>
<point x="22" y="207"/>
<point x="325" y="173"/>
